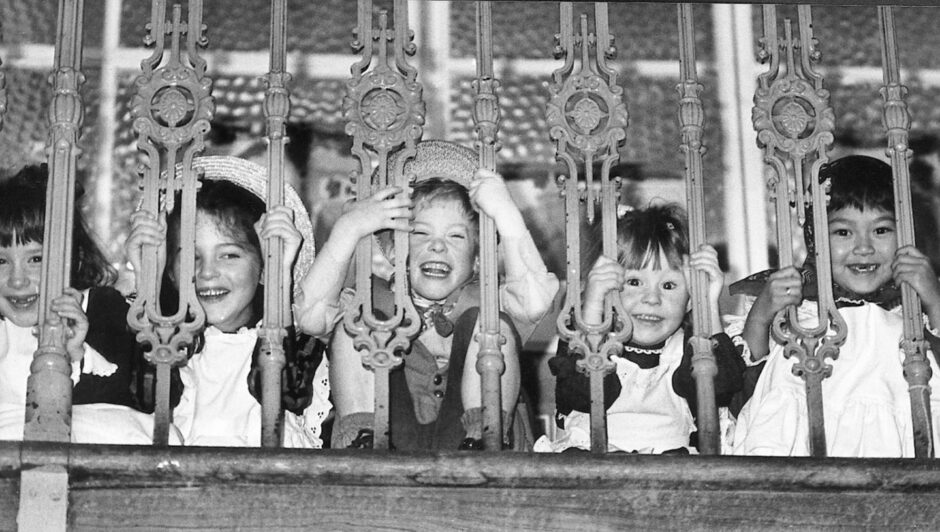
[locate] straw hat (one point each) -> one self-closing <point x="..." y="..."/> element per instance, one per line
<point x="254" y="178"/>
<point x="440" y="158"/>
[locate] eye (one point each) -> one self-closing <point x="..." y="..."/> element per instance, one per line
<point x="35" y="259"/>
<point x="839" y="232"/>
<point x="670" y="285"/>
<point x="458" y="236"/>
<point x="884" y="230"/>
<point x="632" y="281"/>
<point x="420" y="232"/>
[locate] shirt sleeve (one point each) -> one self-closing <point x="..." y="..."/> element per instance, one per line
<point x="529" y="295"/>
<point x="573" y="388"/>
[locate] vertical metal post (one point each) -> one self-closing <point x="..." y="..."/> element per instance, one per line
<point x="49" y="387"/>
<point x="691" y="119"/>
<point x="490" y="363"/>
<point x="107" y="120"/>
<point x="171" y="111"/>
<point x="277" y="281"/>
<point x="897" y="121"/>
<point x="384" y="114"/>
<point x="783" y="105"/>
<point x="588" y="119"/>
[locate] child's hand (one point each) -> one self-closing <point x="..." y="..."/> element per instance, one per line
<point x="783" y="288"/>
<point x="68" y="307"/>
<point x="706" y="260"/>
<point x="605" y="276"/>
<point x="386" y="209"/>
<point x="279" y="222"/>
<point x="912" y="267"/>
<point x="489" y="193"/>
<point x="146" y="230"/>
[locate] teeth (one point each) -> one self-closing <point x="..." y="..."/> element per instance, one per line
<point x="647" y="317"/>
<point x="435" y="269"/>
<point x="863" y="268"/>
<point x="211" y="292"/>
<point x="23" y="301"/>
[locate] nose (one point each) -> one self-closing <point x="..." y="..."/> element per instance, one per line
<point x="206" y="269"/>
<point x="18" y="278"/>
<point x="652" y="296"/>
<point x="863" y="245"/>
<point x="437" y="244"/>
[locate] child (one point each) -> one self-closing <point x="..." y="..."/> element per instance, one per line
<point x="435" y="397"/>
<point x="651" y="397"/>
<point x="100" y="345"/>
<point x="866" y="404"/>
<point x="219" y="401"/>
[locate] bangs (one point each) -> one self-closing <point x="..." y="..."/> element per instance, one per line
<point x="634" y="255"/>
<point x="20" y="224"/>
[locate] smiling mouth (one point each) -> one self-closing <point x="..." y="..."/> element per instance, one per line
<point x="651" y="319"/>
<point x="23" y="302"/>
<point x="862" y="269"/>
<point x="439" y="270"/>
<point x="211" y="294"/>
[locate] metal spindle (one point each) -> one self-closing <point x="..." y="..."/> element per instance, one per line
<point x="490" y="363"/>
<point x="794" y="125"/>
<point x="384" y="114"/>
<point x="580" y="135"/>
<point x="691" y="119"/>
<point x="277" y="311"/>
<point x="171" y="113"/>
<point x="897" y="121"/>
<point x="49" y="387"/>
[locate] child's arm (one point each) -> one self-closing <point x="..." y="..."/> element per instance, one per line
<point x="912" y="267"/>
<point x="605" y="276"/>
<point x="784" y="287"/>
<point x="530" y="289"/>
<point x="706" y="260"/>
<point x="317" y="310"/>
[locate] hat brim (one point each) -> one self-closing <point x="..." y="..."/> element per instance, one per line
<point x="439" y="158"/>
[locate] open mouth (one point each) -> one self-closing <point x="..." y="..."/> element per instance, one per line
<point x="23" y="302"/>
<point x="650" y="319"/>
<point x="435" y="269"/>
<point x="211" y="293"/>
<point x="862" y="269"/>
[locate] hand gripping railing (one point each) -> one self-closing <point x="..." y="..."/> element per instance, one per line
<point x="794" y="125"/>
<point x="384" y="113"/>
<point x="490" y="363"/>
<point x="588" y="120"/>
<point x="691" y="118"/>
<point x="277" y="283"/>
<point x="897" y="121"/>
<point x="171" y="112"/>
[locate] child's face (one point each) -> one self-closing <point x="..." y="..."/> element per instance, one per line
<point x="656" y="301"/>
<point x="441" y="250"/>
<point x="20" y="270"/>
<point x="862" y="245"/>
<point x="227" y="273"/>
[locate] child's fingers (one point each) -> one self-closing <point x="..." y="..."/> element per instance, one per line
<point x="385" y="193"/>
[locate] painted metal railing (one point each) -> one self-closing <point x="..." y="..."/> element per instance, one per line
<point x="171" y="112"/>
<point x="794" y="124"/>
<point x="897" y="121"/>
<point x="384" y="113"/>
<point x="588" y="119"/>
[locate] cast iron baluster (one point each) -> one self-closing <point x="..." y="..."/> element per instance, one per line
<point x="3" y="87"/>
<point x="49" y="387"/>
<point x="277" y="311"/>
<point x="588" y="121"/>
<point x="794" y="125"/>
<point x="897" y="121"/>
<point x="171" y="111"/>
<point x="384" y="113"/>
<point x="691" y="118"/>
<point x="490" y="363"/>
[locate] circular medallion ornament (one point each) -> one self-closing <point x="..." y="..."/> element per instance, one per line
<point x="382" y="109"/>
<point x="172" y="106"/>
<point x="794" y="117"/>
